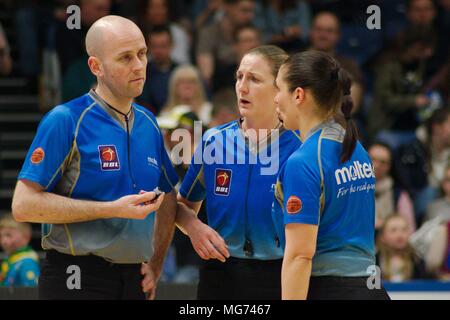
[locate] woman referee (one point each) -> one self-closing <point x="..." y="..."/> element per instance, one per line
<point x="239" y="194"/>
<point x="325" y="191"/>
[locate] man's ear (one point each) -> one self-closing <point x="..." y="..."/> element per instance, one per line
<point x="95" y="66"/>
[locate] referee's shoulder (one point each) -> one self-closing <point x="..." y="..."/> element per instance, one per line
<point x="211" y="132"/>
<point x="144" y="110"/>
<point x="70" y="109"/>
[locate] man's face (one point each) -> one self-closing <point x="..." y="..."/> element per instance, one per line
<point x="124" y="62"/>
<point x="92" y="10"/>
<point x="421" y="12"/>
<point x="12" y="239"/>
<point x="241" y="13"/>
<point x="157" y="12"/>
<point x="247" y="39"/>
<point x="160" y="47"/>
<point x="325" y="32"/>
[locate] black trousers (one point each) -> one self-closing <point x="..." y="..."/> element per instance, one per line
<point x="343" y="288"/>
<point x="98" y="278"/>
<point x="240" y="279"/>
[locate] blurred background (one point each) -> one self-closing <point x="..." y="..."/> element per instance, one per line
<point x="401" y="83"/>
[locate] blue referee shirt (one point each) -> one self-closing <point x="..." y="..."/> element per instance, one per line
<point x="315" y="188"/>
<point x="83" y="151"/>
<point x="238" y="185"/>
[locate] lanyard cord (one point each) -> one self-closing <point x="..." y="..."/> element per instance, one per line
<point x="126" y="116"/>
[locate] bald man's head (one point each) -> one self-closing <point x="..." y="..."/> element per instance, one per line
<point x="106" y="31"/>
<point x="117" y="56"/>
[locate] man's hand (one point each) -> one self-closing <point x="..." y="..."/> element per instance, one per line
<point x="136" y="206"/>
<point x="150" y="280"/>
<point x="207" y="242"/>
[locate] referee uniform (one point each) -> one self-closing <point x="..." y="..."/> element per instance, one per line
<point x="82" y="150"/>
<point x="238" y="204"/>
<point x="315" y="188"/>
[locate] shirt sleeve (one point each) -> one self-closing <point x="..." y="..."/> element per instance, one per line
<point x="301" y="185"/>
<point x="50" y="148"/>
<point x="193" y="188"/>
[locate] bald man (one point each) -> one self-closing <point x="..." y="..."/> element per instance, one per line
<point x="89" y="178"/>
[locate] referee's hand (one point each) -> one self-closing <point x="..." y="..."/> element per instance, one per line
<point x="149" y="281"/>
<point x="137" y="206"/>
<point x="208" y="243"/>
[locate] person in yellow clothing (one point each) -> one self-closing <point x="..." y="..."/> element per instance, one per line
<point x="21" y="267"/>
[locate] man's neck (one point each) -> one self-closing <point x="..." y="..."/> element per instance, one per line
<point x="122" y="104"/>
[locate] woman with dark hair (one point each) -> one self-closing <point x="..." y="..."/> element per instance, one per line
<point x="325" y="191"/>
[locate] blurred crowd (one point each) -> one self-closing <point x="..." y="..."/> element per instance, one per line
<point x="401" y="86"/>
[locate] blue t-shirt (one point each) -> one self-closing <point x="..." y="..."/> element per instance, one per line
<point x="82" y="150"/>
<point x="315" y="188"/>
<point x="238" y="183"/>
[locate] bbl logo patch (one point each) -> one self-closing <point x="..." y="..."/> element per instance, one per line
<point x="223" y="182"/>
<point x="294" y="205"/>
<point x="37" y="156"/>
<point x="108" y="158"/>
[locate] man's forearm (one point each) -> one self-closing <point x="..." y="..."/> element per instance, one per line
<point x="185" y="217"/>
<point x="46" y="207"/>
<point x="163" y="231"/>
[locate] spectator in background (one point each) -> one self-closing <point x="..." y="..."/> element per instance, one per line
<point x="215" y="42"/>
<point x="324" y="36"/>
<point x="224" y="107"/>
<point x="5" y="57"/>
<point x="205" y="12"/>
<point x="186" y="89"/>
<point x="396" y="257"/>
<point x="156" y="13"/>
<point x="432" y="240"/>
<point x="159" y="69"/>
<point x="422" y="14"/>
<point x="245" y="38"/>
<point x="21" y="268"/>
<point x="400" y="105"/>
<point x="70" y="43"/>
<point x="443" y="17"/>
<point x="422" y="163"/>
<point x="438" y="258"/>
<point x="389" y="197"/>
<point x="283" y="23"/>
<point x="78" y="79"/>
<point x="441" y="206"/>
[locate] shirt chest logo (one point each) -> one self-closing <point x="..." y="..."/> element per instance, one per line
<point x="109" y="160"/>
<point x="222" y="182"/>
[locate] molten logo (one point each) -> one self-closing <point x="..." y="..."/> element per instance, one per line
<point x="223" y="182"/>
<point x="354" y="172"/>
<point x="109" y="159"/>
